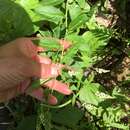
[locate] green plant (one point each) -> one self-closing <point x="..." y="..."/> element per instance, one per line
<point x="90" y="106"/>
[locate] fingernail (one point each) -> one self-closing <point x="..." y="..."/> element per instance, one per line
<point x="54" y="71"/>
<point x="52" y="100"/>
<point x="24" y="85"/>
<point x="67" y="91"/>
<point x="38" y="94"/>
<point x="65" y="44"/>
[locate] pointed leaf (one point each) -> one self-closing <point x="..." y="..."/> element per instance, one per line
<point x="77" y="22"/>
<point x="50" y="13"/>
<point x="51" y="2"/>
<point x="48" y="43"/>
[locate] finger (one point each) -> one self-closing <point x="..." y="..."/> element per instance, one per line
<point x="65" y="44"/>
<point x="39" y="94"/>
<point x="58" y="86"/>
<point x="41" y="59"/>
<point x="52" y="100"/>
<point x="46" y="70"/>
<point x="23" y="86"/>
<point x="39" y="49"/>
<point x="26" y="47"/>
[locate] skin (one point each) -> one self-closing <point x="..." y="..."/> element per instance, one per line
<point x="19" y="62"/>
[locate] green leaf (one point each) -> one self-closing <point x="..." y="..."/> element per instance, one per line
<point x="28" y="4"/>
<point x="81" y="19"/>
<point x="50" y="13"/>
<point x="96" y="38"/>
<point x="14" y="21"/>
<point x="68" y="116"/>
<point x="74" y="10"/>
<point x="51" y="2"/>
<point x="83" y="4"/>
<point x="110" y="116"/>
<point x="87" y="94"/>
<point x="77" y="22"/>
<point x="48" y="43"/>
<point x="28" y="123"/>
<point x="85" y="56"/>
<point x="56" y="31"/>
<point x="92" y="24"/>
<point x="120" y="126"/>
<point x="44" y="117"/>
<point x="73" y="88"/>
<point x="75" y="39"/>
<point x="45" y="33"/>
<point x="67" y="58"/>
<point x="34" y="16"/>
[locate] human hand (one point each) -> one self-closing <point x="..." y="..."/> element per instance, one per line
<point x="19" y="62"/>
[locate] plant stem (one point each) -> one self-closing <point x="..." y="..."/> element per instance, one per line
<point x="58" y="106"/>
<point x="66" y="18"/>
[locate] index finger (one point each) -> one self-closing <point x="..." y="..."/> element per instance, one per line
<point x="58" y="86"/>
